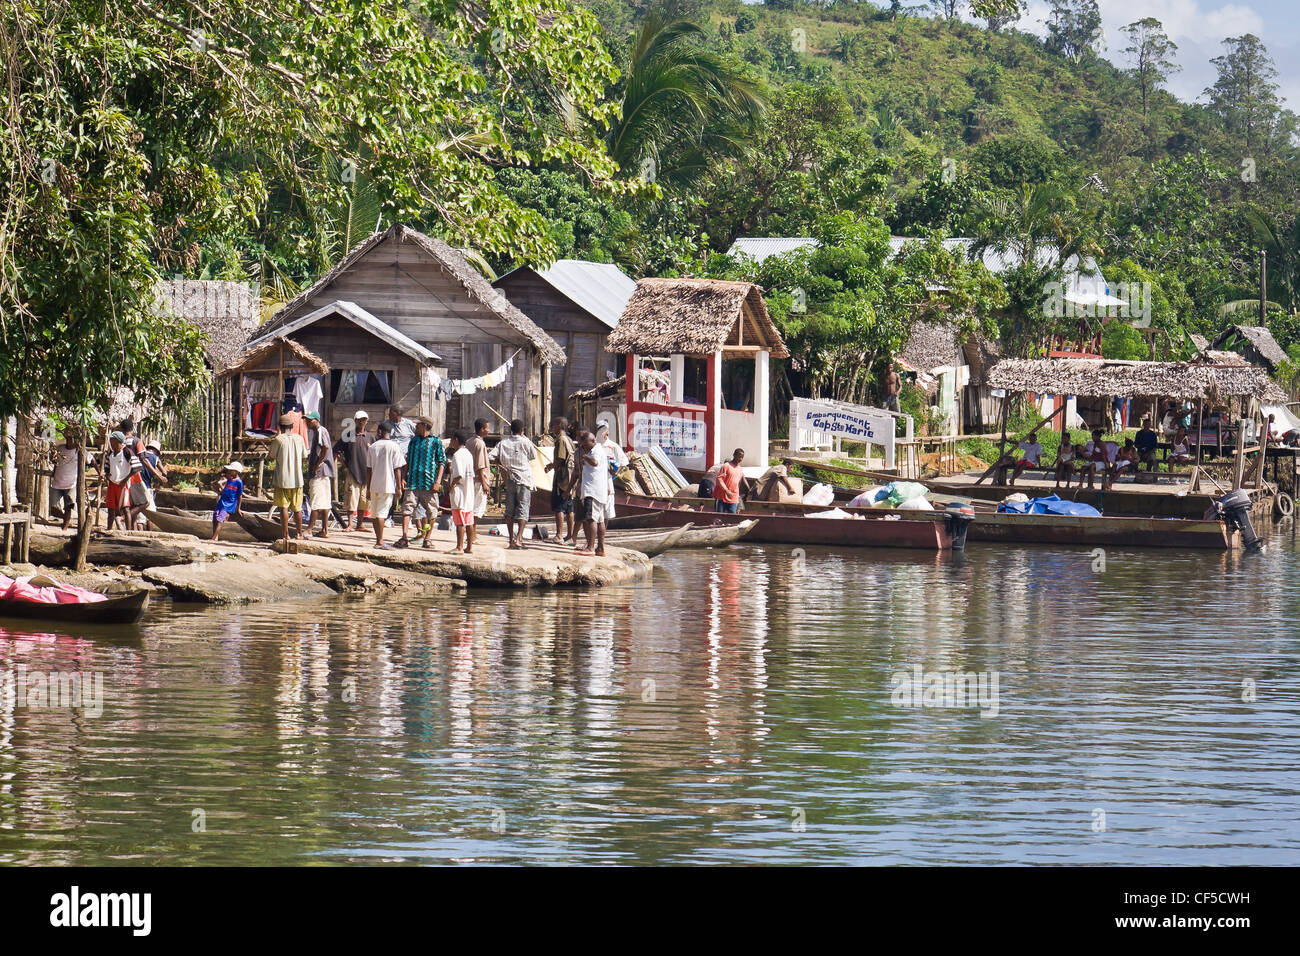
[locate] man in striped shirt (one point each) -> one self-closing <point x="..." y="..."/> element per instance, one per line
<point x="425" y="461"/>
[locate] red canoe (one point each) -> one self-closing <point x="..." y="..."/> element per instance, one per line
<point x="920" y="529"/>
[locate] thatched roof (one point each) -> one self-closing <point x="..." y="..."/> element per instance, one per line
<point x="1106" y="377"/>
<point x="1258" y="338"/>
<point x="981" y="355"/>
<point x="251" y="359"/>
<point x="1215" y="357"/>
<point x="692" y="317"/>
<point x="225" y="312"/>
<point x="931" y="345"/>
<point x="476" y="287"/>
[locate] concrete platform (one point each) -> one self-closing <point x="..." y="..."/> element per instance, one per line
<point x="540" y="564"/>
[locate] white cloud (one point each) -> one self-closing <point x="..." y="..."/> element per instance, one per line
<point x="1198" y="29"/>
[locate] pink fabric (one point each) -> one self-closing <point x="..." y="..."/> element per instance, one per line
<point x="21" y="589"/>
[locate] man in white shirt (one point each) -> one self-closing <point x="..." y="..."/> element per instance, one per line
<point x="594" y="484"/>
<point x="1031" y="452"/>
<point x="384" y="479"/>
<point x="403" y="428"/>
<point x="63" y="484"/>
<point x="616" y="455"/>
<point x="463" y="491"/>
<point x="514" y="455"/>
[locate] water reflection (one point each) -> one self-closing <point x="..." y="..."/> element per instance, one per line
<point x="689" y="719"/>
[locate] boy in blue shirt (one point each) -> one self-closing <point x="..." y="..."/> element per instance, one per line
<point x="230" y="488"/>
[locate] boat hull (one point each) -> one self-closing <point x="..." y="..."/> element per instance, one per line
<point x="1073" y="530"/>
<point x="197" y="526"/>
<point x="1103" y="531"/>
<point x="126" y="609"/>
<point x="927" y="531"/>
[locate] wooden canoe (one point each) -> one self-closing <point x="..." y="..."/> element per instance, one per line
<point x="204" y="500"/>
<point x="879" y="528"/>
<point x="649" y="543"/>
<point x="1090" y="532"/>
<point x="718" y="536"/>
<point x="198" y="525"/>
<point x="261" y="527"/>
<point x="1070" y="530"/>
<point x="126" y="609"/>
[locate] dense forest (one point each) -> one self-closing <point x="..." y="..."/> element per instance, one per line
<point x="260" y="141"/>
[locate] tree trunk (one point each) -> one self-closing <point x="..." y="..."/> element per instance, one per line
<point x="82" y="540"/>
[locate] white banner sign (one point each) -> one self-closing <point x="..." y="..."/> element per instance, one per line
<point x="813" y="423"/>
<point x="682" y="439"/>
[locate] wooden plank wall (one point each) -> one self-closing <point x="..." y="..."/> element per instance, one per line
<point x="343" y="345"/>
<point x="581" y="335"/>
<point x="399" y="284"/>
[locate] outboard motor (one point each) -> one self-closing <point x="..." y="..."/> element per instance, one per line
<point x="959" y="516"/>
<point x="1234" y="507"/>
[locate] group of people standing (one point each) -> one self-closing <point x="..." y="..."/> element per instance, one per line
<point x="131" y="468"/>
<point x="582" y="484"/>
<point x="402" y="469"/>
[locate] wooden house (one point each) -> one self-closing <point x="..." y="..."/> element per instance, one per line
<point x="403" y="311"/>
<point x="577" y="303"/>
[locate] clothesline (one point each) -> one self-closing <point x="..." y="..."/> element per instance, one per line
<point x="446" y="387"/>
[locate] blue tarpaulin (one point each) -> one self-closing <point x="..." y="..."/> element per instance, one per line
<point x="1048" y="506"/>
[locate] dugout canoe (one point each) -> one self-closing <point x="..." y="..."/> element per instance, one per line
<point x="988" y="526"/>
<point x="718" y="536"/>
<point x="650" y="543"/>
<point x="261" y="527"/>
<point x="198" y="525"/>
<point x="204" y="501"/>
<point x="126" y="609"/>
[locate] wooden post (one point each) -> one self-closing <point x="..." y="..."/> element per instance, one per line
<point x="103" y="470"/>
<point x="1263" y="459"/>
<point x="1200" y="429"/>
<point x="82" y="541"/>
<point x="1240" y="471"/>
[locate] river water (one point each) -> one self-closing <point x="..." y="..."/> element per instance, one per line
<point x="748" y="705"/>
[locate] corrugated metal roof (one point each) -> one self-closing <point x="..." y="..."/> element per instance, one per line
<point x="354" y="313"/>
<point x="1083" y="283"/>
<point x="603" y="289"/>
<point x="760" y="249"/>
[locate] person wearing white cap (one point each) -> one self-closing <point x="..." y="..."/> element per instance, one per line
<point x="617" y="459"/>
<point x="230" y="492"/>
<point x="353" y="450"/>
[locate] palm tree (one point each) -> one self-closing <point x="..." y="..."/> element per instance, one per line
<point x="1282" y="243"/>
<point x="1039" y="228"/>
<point x="683" y="105"/>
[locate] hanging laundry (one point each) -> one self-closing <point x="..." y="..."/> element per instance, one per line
<point x="307" y="390"/>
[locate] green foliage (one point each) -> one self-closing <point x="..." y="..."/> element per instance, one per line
<point x="137" y="133"/>
<point x="683" y="106"/>
<point x="1119" y="340"/>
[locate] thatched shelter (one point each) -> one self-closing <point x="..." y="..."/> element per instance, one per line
<point x="707" y="344"/>
<point x="695" y="317"/>
<point x="1254" y="343"/>
<point x="1102" y="378"/>
<point x="225" y="312"/>
<point x="272" y="350"/>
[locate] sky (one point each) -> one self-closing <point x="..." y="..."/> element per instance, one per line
<point x="1199" y="27"/>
